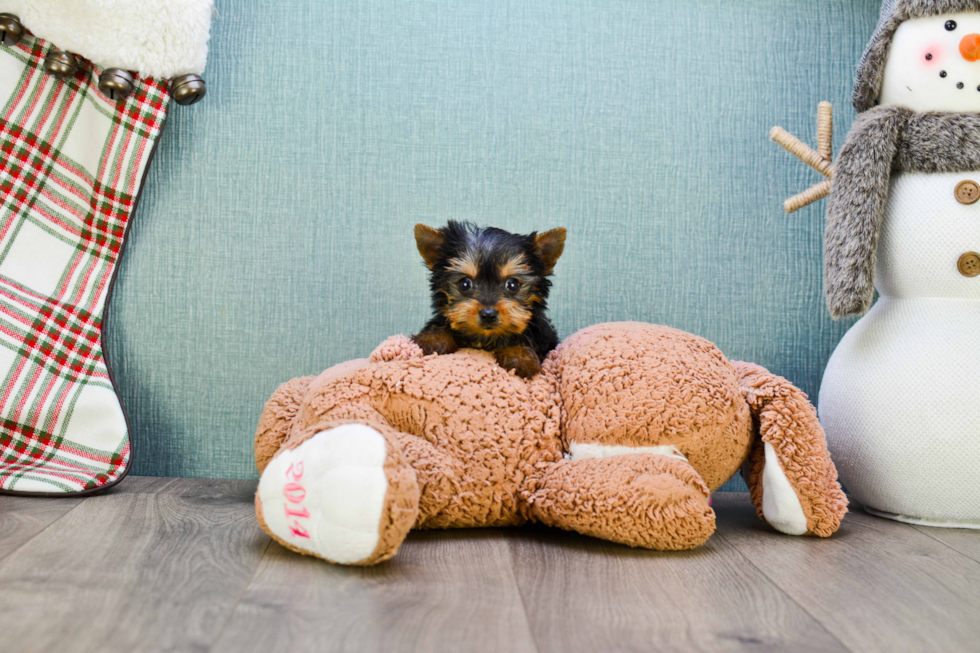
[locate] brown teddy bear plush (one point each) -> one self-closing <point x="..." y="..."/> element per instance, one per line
<point x="623" y="435"/>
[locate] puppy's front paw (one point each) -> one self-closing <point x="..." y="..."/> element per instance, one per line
<point x="522" y="360"/>
<point x="435" y="342"/>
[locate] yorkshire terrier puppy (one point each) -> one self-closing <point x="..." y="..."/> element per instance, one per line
<point x="489" y="292"/>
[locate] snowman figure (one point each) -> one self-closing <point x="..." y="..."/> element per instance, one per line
<point x="900" y="398"/>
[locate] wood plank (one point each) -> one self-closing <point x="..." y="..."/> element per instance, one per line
<point x="174" y="485"/>
<point x="443" y="591"/>
<point x="964" y="540"/>
<point x="134" y="571"/>
<point x="583" y="594"/>
<point x="21" y="518"/>
<point x="878" y="585"/>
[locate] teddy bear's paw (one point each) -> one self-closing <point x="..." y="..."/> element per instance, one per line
<point x="643" y="499"/>
<point x="339" y="495"/>
<point x="780" y="504"/>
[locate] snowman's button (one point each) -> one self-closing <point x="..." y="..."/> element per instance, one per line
<point x="969" y="264"/>
<point x="967" y="192"/>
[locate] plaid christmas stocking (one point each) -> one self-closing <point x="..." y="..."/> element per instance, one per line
<point x="72" y="162"/>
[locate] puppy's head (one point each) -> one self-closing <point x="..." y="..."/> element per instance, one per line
<point x="488" y="282"/>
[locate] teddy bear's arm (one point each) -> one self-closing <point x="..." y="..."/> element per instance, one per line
<point x="640" y="499"/>
<point x="791" y="478"/>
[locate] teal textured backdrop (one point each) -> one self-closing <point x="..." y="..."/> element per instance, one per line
<point x="274" y="236"/>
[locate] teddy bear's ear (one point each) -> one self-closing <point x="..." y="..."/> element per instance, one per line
<point x="429" y="242"/>
<point x="549" y="246"/>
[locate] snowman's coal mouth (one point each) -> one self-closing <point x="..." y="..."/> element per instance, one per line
<point x="943" y="74"/>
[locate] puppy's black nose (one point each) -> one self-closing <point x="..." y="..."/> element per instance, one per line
<point x="488" y="316"/>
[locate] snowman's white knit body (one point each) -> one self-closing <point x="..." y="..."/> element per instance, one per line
<point x="900" y="398"/>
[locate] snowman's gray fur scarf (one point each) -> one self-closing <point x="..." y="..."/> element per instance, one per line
<point x="883" y="140"/>
<point x="870" y="72"/>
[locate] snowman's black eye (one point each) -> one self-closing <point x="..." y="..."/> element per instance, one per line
<point x="928" y="57"/>
<point x="942" y="73"/>
<point x="950" y="25"/>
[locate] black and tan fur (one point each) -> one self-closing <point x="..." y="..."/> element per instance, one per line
<point x="489" y="291"/>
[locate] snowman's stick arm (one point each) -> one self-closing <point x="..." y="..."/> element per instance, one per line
<point x="821" y="160"/>
<point x="803" y="152"/>
<point x="807" y="197"/>
<point x="825" y="130"/>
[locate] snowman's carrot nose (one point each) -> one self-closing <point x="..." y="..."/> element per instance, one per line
<point x="970" y="47"/>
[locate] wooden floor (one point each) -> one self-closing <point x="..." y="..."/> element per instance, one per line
<point x="180" y="565"/>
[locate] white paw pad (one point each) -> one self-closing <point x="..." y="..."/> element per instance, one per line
<point x="780" y="504"/>
<point x="327" y="495"/>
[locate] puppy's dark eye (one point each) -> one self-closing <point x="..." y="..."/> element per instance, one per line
<point x="950" y="25"/>
<point x="512" y="285"/>
<point x="464" y="284"/>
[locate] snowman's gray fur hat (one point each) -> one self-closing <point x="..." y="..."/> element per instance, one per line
<point x="867" y="86"/>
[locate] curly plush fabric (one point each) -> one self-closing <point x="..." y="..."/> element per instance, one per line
<point x="667" y="419"/>
<point x="788" y="421"/>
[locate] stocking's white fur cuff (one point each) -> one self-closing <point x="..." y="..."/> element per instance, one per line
<point x="155" y="38"/>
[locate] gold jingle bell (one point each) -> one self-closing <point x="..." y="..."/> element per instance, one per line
<point x="60" y="64"/>
<point x="10" y="29"/>
<point x="116" y="83"/>
<point x="188" y="89"/>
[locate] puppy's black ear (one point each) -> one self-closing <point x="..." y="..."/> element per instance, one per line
<point x="429" y="242"/>
<point x="549" y="246"/>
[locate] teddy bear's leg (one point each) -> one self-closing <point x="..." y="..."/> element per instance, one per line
<point x="437" y="473"/>
<point x="276" y="421"/>
<point x="343" y="491"/>
<point x="640" y="499"/>
<point x="792" y="480"/>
